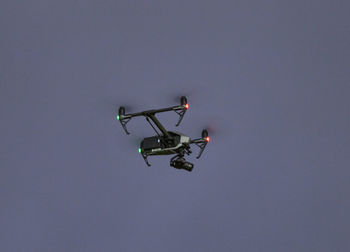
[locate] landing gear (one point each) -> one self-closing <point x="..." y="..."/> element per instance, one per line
<point x="146" y="160"/>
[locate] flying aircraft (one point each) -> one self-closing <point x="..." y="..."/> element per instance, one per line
<point x="166" y="142"/>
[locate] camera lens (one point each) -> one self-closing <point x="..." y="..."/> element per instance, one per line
<point x="181" y="163"/>
<point x="187" y="166"/>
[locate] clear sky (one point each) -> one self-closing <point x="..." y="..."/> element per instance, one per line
<point x="271" y="78"/>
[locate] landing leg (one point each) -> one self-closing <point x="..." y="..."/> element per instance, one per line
<point x="146" y="160"/>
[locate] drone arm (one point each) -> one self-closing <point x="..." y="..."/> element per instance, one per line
<point x="159" y="125"/>
<point x="180" y="110"/>
<point x="173" y="108"/>
<point x="124" y="119"/>
<point x="147" y="119"/>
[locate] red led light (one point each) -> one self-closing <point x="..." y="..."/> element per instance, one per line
<point x="187" y="106"/>
<point x="207" y="139"/>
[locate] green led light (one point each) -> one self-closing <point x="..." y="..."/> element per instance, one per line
<point x="139" y="150"/>
<point x="117" y="117"/>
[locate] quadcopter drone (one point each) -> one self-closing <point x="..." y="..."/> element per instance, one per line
<point x="166" y="142"/>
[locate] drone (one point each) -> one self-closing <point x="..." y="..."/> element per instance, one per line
<point x="166" y="142"/>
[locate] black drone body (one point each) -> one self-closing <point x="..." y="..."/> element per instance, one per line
<point x="166" y="142"/>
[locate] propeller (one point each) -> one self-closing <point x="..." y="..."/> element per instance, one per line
<point x="135" y="141"/>
<point x="174" y="97"/>
<point x="212" y="130"/>
<point x="107" y="105"/>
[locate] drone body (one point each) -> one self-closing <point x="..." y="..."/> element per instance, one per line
<point x="166" y="142"/>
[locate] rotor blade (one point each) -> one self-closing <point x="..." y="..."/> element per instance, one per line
<point x="174" y="97"/>
<point x="109" y="104"/>
<point x="128" y="109"/>
<point x="135" y="141"/>
<point x="212" y="128"/>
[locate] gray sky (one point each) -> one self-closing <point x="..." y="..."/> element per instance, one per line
<point x="270" y="77"/>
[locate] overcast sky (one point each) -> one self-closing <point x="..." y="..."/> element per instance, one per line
<point x="270" y="78"/>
